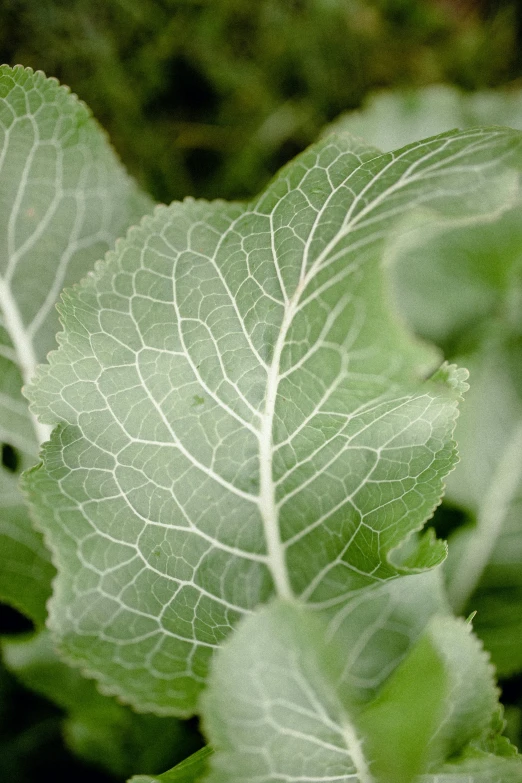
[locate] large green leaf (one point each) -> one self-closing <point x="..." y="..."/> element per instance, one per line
<point x="64" y="200"/>
<point x="286" y="718"/>
<point x="242" y="413"/>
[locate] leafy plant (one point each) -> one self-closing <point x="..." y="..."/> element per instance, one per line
<point x="247" y="442"/>
<point x="473" y="281"/>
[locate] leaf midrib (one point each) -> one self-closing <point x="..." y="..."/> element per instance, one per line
<point x="24" y="350"/>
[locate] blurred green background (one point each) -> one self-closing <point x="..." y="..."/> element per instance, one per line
<point x="209" y="98"/>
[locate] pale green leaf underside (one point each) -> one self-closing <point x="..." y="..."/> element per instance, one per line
<point x="242" y="413"/>
<point x="64" y="200"/>
<point x="283" y="719"/>
<point x="287" y="719"/>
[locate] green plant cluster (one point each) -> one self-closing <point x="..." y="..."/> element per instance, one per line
<point x="209" y="98"/>
<point x="244" y="427"/>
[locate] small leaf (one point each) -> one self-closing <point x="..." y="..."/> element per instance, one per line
<point x="64" y="199"/>
<point x="190" y="770"/>
<point x="26" y="570"/>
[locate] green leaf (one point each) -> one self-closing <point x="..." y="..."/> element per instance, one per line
<point x="400" y="723"/>
<point x="96" y="727"/>
<point x="318" y="450"/>
<point x="64" y="199"/>
<point x="476" y="767"/>
<point x="285" y="718"/>
<point x="25" y="567"/>
<point x="485" y="567"/>
<point x="189" y="771"/>
<point x="391" y="119"/>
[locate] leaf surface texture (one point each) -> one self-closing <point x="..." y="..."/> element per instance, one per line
<point x="242" y="415"/>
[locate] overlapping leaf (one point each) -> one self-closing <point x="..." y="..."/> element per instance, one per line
<point x="286" y="717"/>
<point x="376" y="630"/>
<point x="471" y="276"/>
<point x="243" y="415"/>
<point x="64" y="199"/>
<point x="485" y="567"/>
<point x="390" y="119"/>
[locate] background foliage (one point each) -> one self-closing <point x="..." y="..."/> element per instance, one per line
<point x="210" y="98"/>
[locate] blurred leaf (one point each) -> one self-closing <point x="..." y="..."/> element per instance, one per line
<point x="188" y="771"/>
<point x="485" y="563"/>
<point x="392" y="119"/>
<point x="96" y="727"/>
<point x="285" y="717"/>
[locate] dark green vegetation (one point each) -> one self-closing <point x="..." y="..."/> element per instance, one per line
<point x="210" y="99"/>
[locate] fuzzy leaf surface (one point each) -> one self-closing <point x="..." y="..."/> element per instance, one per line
<point x="242" y="415"/>
<point x="64" y="200"/>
